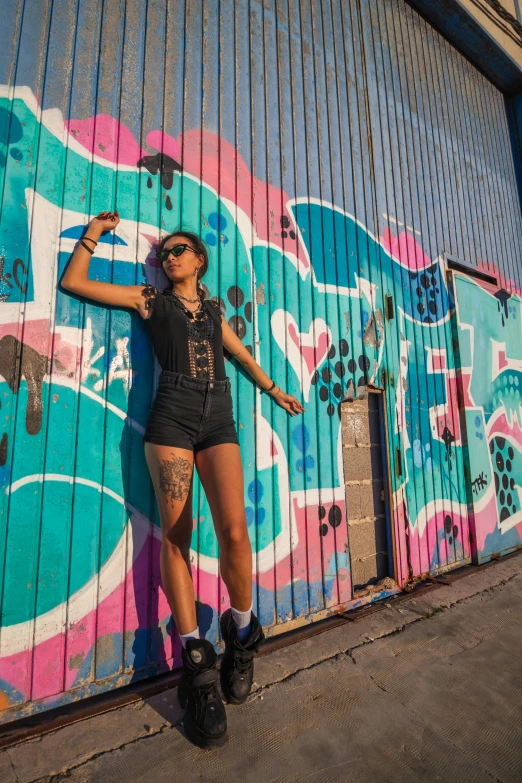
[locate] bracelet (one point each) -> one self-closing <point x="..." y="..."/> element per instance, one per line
<point x="267" y="391"/>
<point x="90" y="240"/>
<point x="88" y="249"/>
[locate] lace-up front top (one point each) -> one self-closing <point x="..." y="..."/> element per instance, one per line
<point x="185" y="342"/>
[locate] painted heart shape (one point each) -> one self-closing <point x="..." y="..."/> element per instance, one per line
<point x="305" y="351"/>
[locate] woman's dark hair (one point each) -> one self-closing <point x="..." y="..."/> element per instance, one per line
<point x="199" y="247"/>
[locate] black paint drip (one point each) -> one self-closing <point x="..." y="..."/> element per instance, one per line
<point x="16" y="361"/>
<point x="503" y="298"/>
<point x="448" y="438"/>
<point x="162" y="163"/>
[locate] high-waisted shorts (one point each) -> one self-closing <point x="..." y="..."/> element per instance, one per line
<point x="191" y="413"/>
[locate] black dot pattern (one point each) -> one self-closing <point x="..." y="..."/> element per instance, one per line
<point x="285" y="223"/>
<point x="451" y="531"/>
<point x="235" y="296"/>
<point x="426" y="288"/>
<point x="335" y="517"/>
<point x="334" y="378"/>
<point x="237" y="324"/>
<point x="503" y="458"/>
<point x="238" y="320"/>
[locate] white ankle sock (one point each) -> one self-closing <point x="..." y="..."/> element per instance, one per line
<point x="242" y="621"/>
<point x="186" y="636"/>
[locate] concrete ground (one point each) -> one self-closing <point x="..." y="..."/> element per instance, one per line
<point x="428" y="689"/>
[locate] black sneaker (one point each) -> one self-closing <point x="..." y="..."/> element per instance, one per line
<point x="237" y="664"/>
<point x="205" y="720"/>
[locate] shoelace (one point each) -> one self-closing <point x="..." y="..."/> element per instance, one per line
<point x="208" y="692"/>
<point x="242" y="661"/>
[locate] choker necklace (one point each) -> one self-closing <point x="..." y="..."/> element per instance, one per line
<point x="192" y="301"/>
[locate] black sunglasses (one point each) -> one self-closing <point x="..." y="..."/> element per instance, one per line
<point x="177" y="250"/>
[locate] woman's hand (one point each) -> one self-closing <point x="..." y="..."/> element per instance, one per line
<point x="105" y="221"/>
<point x="288" y="402"/>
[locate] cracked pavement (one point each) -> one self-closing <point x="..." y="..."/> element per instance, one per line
<point x="428" y="689"/>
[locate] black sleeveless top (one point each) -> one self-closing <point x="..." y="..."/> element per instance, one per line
<point x="184" y="342"/>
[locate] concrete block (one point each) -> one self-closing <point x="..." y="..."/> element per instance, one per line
<point x="357" y="429"/>
<point x="367" y="538"/>
<point x="357" y="406"/>
<point x="374" y="425"/>
<point x="362" y="463"/>
<point x="369" y="571"/>
<point x="353" y="501"/>
<point x="367" y="504"/>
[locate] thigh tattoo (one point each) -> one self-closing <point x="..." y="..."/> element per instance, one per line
<point x="174" y="478"/>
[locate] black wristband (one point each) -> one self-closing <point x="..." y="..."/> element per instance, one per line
<point x="270" y="389"/>
<point x="88" y="249"/>
<point x="88" y="239"/>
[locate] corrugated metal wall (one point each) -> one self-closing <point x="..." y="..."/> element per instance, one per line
<point x="329" y="153"/>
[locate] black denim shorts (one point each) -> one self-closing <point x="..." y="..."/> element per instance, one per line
<point x="191" y="413"/>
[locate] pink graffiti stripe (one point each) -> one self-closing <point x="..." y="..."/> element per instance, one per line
<point x="465" y="379"/>
<point x="439" y="361"/>
<point x="401" y="525"/>
<point x="503" y="282"/>
<point x="312" y="354"/>
<point x="433" y="546"/>
<point x="405" y="249"/>
<point x="164" y="143"/>
<point x="501" y="427"/>
<point x="107" y="138"/>
<point x="214" y="161"/>
<point x="130" y="607"/>
<point x="218" y="163"/>
<point x="485" y="523"/>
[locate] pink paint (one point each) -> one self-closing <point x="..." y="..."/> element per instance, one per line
<point x="312" y="354"/>
<point x="486" y="521"/>
<point x="35" y="334"/>
<point x="502" y="360"/>
<point x="219" y="165"/>
<point x="405" y="249"/>
<point x="450" y="419"/>
<point x="107" y="138"/>
<point x="439" y="361"/>
<point x="133" y="606"/>
<point x="432" y="546"/>
<point x="164" y="143"/>
<point x="401" y="525"/>
<point x="501" y="427"/>
<point x="465" y="380"/>
<point x="212" y="160"/>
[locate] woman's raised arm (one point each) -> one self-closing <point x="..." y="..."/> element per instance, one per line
<point x="76" y="277"/>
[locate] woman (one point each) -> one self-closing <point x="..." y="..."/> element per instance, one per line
<point x="191" y="421"/>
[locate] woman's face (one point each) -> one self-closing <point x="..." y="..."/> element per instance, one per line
<point x="183" y="266"/>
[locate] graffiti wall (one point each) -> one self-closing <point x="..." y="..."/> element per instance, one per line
<point x="326" y="301"/>
<point x="489" y="332"/>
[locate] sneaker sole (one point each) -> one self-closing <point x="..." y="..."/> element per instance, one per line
<point x="203" y="740"/>
<point x="196" y="736"/>
<point x="228" y="696"/>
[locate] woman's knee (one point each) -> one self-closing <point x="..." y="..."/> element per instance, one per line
<point x="177" y="540"/>
<point x="234" y="535"/>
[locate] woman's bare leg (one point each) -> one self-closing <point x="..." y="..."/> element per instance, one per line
<point x="221" y="472"/>
<point x="171" y="470"/>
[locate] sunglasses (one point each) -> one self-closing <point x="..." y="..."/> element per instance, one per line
<point x="176" y="251"/>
